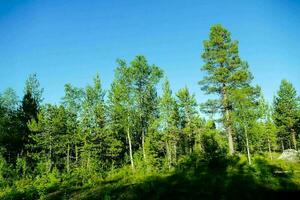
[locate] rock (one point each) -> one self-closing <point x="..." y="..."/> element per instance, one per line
<point x="290" y="155"/>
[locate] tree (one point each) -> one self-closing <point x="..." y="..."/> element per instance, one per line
<point x="210" y="107"/>
<point x="144" y="79"/>
<point x="169" y="124"/>
<point x="32" y="85"/>
<point x="188" y="119"/>
<point x="265" y="130"/>
<point x="120" y="108"/>
<point x="245" y="113"/>
<point x="213" y="147"/>
<point x="29" y="108"/>
<point x="92" y="125"/>
<point x="286" y="108"/>
<point x="9" y="99"/>
<point x="10" y="137"/>
<point x="72" y="102"/>
<point x="52" y="138"/>
<point x="226" y="72"/>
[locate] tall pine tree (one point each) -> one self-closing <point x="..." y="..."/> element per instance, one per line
<point x="286" y="108"/>
<point x="226" y="72"/>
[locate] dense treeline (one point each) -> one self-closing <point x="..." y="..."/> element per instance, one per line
<point x="95" y="131"/>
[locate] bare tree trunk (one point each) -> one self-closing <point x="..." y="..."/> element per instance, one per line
<point x="294" y="139"/>
<point x="229" y="132"/>
<point x="282" y="145"/>
<point x="227" y="121"/>
<point x="143" y="138"/>
<point x="130" y="148"/>
<point x="247" y="146"/>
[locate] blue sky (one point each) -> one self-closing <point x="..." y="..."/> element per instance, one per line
<point x="70" y="41"/>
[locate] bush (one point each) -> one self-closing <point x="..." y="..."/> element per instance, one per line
<point x="214" y="148"/>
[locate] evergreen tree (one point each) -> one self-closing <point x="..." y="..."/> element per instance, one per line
<point x="10" y="137"/>
<point x="226" y="72"/>
<point x="29" y="109"/>
<point x="286" y="106"/>
<point x="72" y="102"/>
<point x="32" y="86"/>
<point x="188" y="119"/>
<point x="52" y="138"/>
<point x="210" y="107"/>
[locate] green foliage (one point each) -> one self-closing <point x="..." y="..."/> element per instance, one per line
<point x="227" y="75"/>
<point x="189" y="119"/>
<point x="139" y="142"/>
<point x="286" y="113"/>
<point x="213" y="146"/>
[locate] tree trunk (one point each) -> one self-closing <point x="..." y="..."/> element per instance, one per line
<point x="227" y="121"/>
<point x="143" y="144"/>
<point x="76" y="154"/>
<point x="270" y="150"/>
<point x="247" y="146"/>
<point x="229" y="132"/>
<point x="175" y="154"/>
<point x="88" y="161"/>
<point x="282" y="145"/>
<point x="68" y="158"/>
<point x="294" y="139"/>
<point x="50" y="154"/>
<point x="130" y="148"/>
<point x="143" y="137"/>
<point x="168" y="155"/>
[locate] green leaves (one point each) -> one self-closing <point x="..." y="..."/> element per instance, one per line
<point x="81" y="139"/>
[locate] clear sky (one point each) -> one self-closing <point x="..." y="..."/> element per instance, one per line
<point x="70" y="41"/>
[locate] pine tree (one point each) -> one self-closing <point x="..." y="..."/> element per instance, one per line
<point x="286" y="108"/>
<point x="188" y="118"/>
<point x="225" y="73"/>
<point x="210" y="107"/>
<point x="29" y="108"/>
<point x="32" y="85"/>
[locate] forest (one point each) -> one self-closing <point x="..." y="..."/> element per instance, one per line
<point x="138" y="139"/>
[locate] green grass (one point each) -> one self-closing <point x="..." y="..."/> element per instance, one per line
<point x="194" y="178"/>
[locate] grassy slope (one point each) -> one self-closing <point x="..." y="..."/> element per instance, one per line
<point x="193" y="179"/>
<point x="227" y="179"/>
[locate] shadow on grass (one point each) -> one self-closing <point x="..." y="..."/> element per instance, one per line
<point x="194" y="178"/>
<point x="216" y="179"/>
